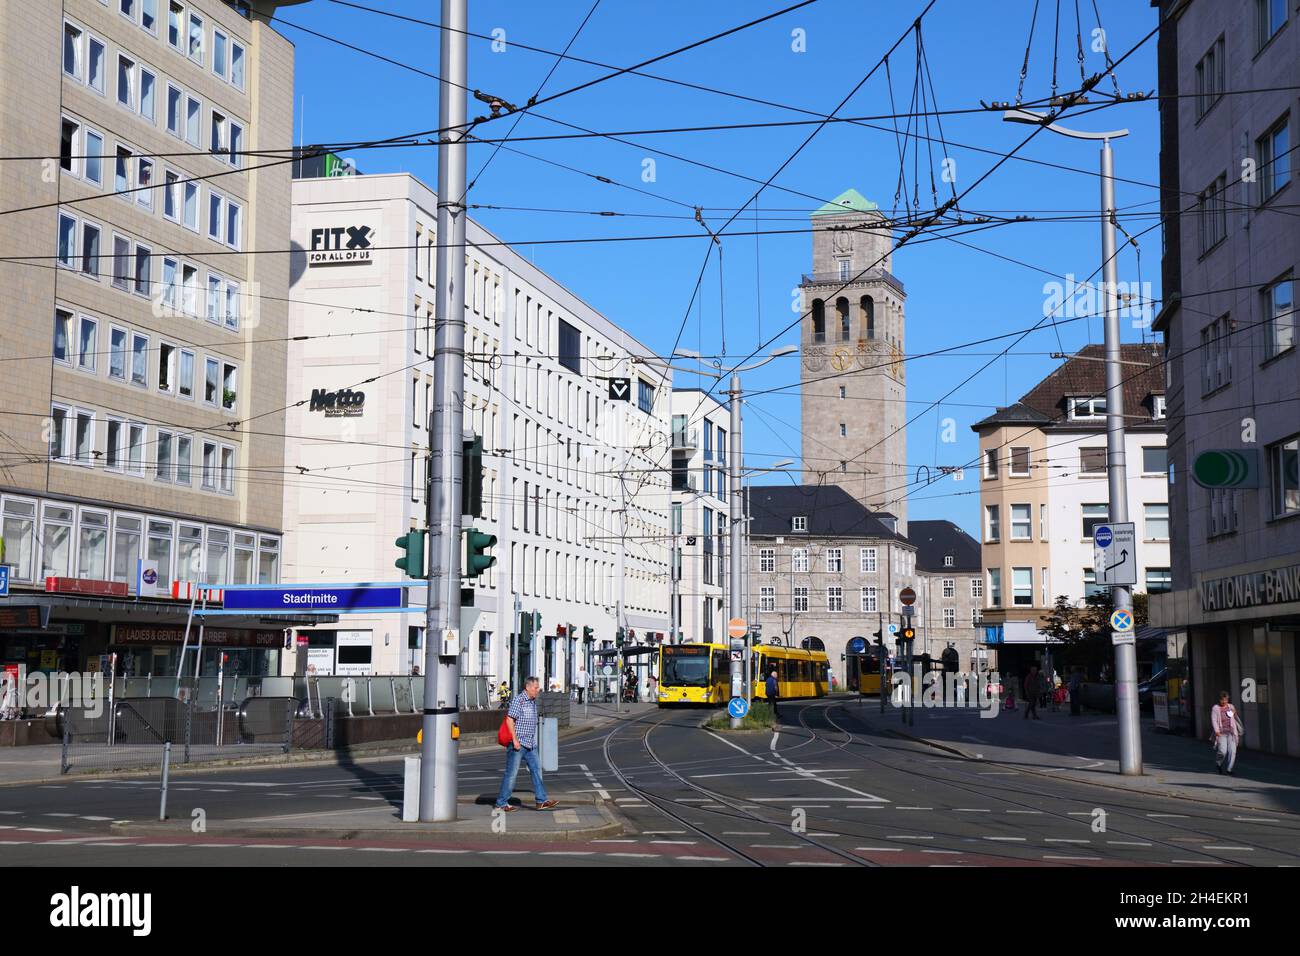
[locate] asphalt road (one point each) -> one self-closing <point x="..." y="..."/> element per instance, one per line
<point x="828" y="790"/>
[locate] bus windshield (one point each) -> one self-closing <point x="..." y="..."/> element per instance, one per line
<point x="685" y="667"/>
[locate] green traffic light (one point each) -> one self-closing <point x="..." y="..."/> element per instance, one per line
<point x="476" y="561"/>
<point x="412" y="559"/>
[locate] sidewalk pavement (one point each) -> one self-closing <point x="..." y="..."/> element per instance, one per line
<point x="1086" y="749"/>
<point x="40" y="764"/>
<point x="577" y="818"/>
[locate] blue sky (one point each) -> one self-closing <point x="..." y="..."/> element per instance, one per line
<point x="955" y="293"/>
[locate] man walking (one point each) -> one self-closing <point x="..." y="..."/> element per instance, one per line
<point x="771" y="688"/>
<point x="1075" y="689"/>
<point x="1228" y="731"/>
<point x="582" y="681"/>
<point x="1033" y="688"/>
<point x="521" y="721"/>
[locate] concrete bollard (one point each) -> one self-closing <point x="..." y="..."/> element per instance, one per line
<point x="411" y="790"/>
<point x="548" y="742"/>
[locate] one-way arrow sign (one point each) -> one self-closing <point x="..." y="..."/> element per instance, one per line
<point x="1114" y="553"/>
<point x="620" y="389"/>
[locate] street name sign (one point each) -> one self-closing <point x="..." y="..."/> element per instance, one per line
<point x="1114" y="553"/>
<point x="312" y="598"/>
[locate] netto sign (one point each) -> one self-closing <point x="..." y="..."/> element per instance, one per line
<point x="340" y="246"/>
<point x="343" y="403"/>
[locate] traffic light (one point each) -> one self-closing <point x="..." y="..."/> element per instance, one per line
<point x="908" y="633"/>
<point x="619" y="637"/>
<point x="526" y="627"/>
<point x="412" y="559"/>
<point x="471" y="483"/>
<point x="537" y="622"/>
<point x="588" y="634"/>
<point x="879" y="636"/>
<point x="476" y="562"/>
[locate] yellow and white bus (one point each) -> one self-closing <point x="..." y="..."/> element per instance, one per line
<point x="693" y="674"/>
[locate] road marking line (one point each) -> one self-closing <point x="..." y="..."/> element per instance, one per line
<point x="1127" y="843"/>
<point x="14" y="842"/>
<point x="780" y="846"/>
<point x="96" y="819"/>
<point x="442" y="851"/>
<point x="60" y="814"/>
<point x="613" y="841"/>
<point x="638" y="856"/>
<point x="1049" y="856"/>
<point x="503" y="852"/>
<point x="800" y="800"/>
<point x="1079" y="813"/>
<point x="909" y="837"/>
<point x="675" y="842"/>
<point x="971" y="810"/>
<point x="38" y="830"/>
<point x="663" y="832"/>
<point x="1034" y="812"/>
<point x="158" y="844"/>
<point x="1008" y="839"/>
<point x="1247" y="849"/>
<point x="383" y="849"/>
<point x="1255" y="819"/>
<point x="263" y="846"/>
<point x="775" y="734"/>
<point x="1052" y="840"/>
<point x="813" y="863"/>
<point x="711" y="859"/>
<point x="947" y="852"/>
<point x="321" y="847"/>
<point x="1202" y="862"/>
<point x="569" y="853"/>
<point x="999" y="773"/>
<point x="880" y="849"/>
<point x="745" y="833"/>
<point x="1173" y="816"/>
<point x="914" y="808"/>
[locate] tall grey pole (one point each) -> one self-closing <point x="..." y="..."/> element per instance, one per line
<point x="733" y="584"/>
<point x="1126" y="698"/>
<point x="439" y="751"/>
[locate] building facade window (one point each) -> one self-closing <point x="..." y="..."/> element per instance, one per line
<point x="1280" y="317"/>
<point x="995" y="587"/>
<point x="834" y="560"/>
<point x="1019" y="461"/>
<point x="767" y="599"/>
<point x="949" y="587"/>
<point x="766" y="560"/>
<point x="1022" y="583"/>
<point x="949" y="617"/>
<point x="1093" y="515"/>
<point x="1284" y="475"/>
<point x="867" y="560"/>
<point x="992" y="524"/>
<point x="835" y="600"/>
<point x="799" y="600"/>
<point x="869" y="600"/>
<point x="1274" y="156"/>
<point x="1157" y="522"/>
<point x="799" y="560"/>
<point x="1022" y="522"/>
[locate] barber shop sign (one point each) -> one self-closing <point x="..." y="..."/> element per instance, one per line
<point x="340" y="246"/>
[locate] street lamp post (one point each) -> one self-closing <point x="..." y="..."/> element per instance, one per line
<point x="1126" y="699"/>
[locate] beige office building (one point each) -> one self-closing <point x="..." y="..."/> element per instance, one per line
<point x="143" y="351"/>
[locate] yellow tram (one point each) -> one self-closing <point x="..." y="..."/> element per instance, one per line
<point x="799" y="673"/>
<point x="870" y="670"/>
<point x="693" y="674"/>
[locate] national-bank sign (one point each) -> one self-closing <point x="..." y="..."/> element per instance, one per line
<point x="340" y="246"/>
<point x="1273" y="586"/>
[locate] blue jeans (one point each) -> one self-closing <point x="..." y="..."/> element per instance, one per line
<point x="529" y="756"/>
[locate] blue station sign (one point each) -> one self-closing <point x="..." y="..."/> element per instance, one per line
<point x="300" y="599"/>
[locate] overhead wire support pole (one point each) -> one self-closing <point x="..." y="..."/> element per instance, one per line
<point x="439" y="749"/>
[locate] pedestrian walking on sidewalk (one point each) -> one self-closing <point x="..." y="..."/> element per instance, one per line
<point x="1228" y="731"/>
<point x="771" y="687"/>
<point x="583" y="680"/>
<point x="521" y="721"/>
<point x="1075" y="689"/>
<point x="1033" y="688"/>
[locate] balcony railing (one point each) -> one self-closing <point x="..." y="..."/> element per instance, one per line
<point x="686" y="439"/>
<point x="870" y="275"/>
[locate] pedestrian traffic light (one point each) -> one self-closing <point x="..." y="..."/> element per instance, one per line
<point x="471" y="482"/>
<point x="526" y="627"/>
<point x="476" y="561"/>
<point x="537" y="622"/>
<point x="619" y="637"/>
<point x="588" y="634"/>
<point x="879" y="636"/>
<point x="412" y="559"/>
<point x="908" y="633"/>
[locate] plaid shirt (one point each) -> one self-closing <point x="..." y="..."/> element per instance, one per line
<point x="524" y="711"/>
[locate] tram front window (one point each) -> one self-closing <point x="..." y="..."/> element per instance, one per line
<point x="685" y="667"/>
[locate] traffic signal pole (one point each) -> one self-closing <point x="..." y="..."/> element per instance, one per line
<point x="1126" y="698"/>
<point x="439" y="750"/>
<point x="737" y="670"/>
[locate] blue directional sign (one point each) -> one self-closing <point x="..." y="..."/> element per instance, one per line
<point x="892" y="628"/>
<point x="738" y="707"/>
<point x="1101" y="536"/>
<point x="4" y="579"/>
<point x="310" y="599"/>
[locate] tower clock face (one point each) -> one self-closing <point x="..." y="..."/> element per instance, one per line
<point x="841" y="359"/>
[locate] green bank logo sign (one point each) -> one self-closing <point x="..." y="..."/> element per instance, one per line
<point x="1227" y="468"/>
<point x="1277" y="586"/>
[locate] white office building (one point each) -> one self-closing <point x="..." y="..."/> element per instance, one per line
<point x="575" y="484"/>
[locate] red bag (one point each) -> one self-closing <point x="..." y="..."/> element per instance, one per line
<point x="504" y="737"/>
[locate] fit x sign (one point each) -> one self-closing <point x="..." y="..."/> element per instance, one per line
<point x="340" y="246"/>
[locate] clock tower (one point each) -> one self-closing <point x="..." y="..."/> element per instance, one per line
<point x="853" y="382"/>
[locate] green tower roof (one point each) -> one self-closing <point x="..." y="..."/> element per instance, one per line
<point x="848" y="201"/>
